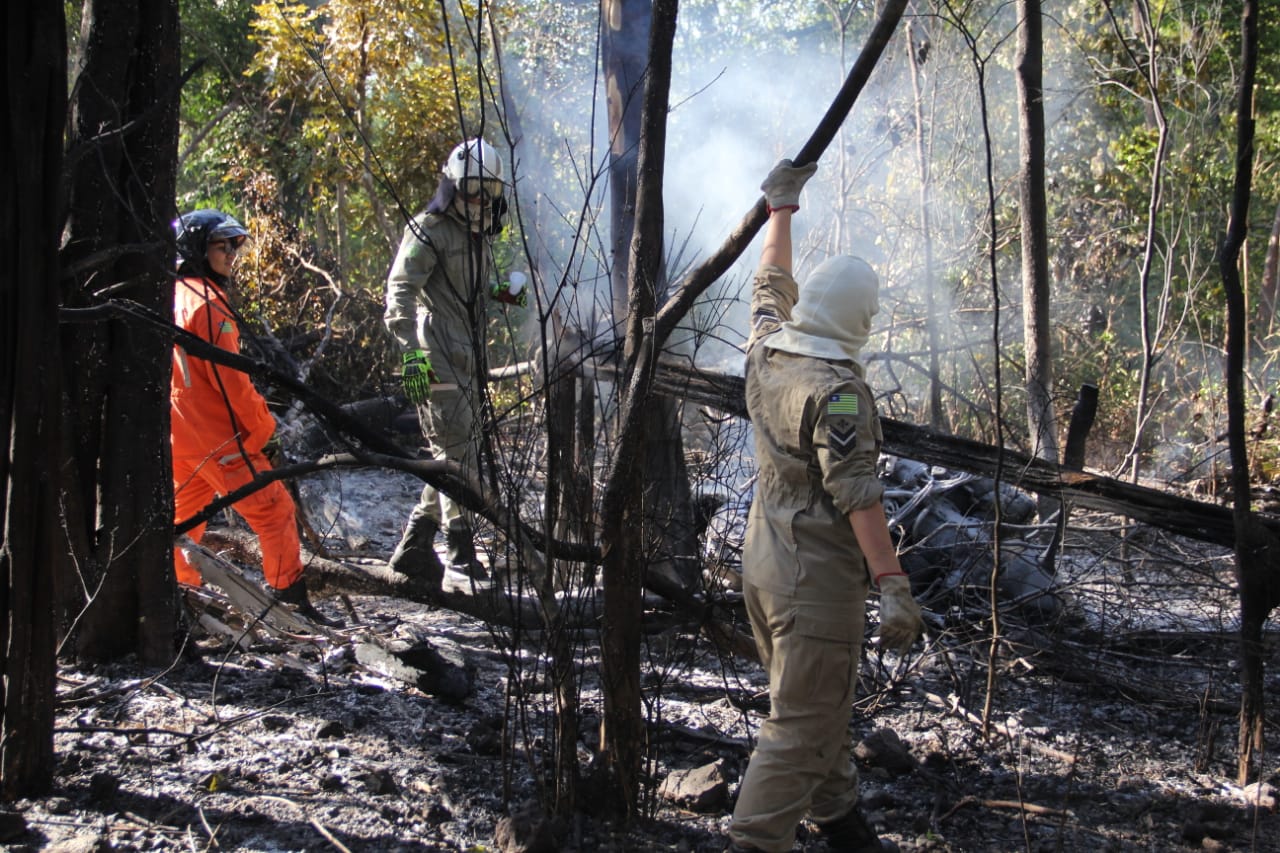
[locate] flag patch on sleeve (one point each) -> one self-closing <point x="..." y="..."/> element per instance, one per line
<point x="842" y="404"/>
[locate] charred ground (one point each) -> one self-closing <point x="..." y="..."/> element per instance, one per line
<point x="1112" y="729"/>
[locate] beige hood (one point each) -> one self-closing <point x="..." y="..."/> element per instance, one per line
<point x="832" y="318"/>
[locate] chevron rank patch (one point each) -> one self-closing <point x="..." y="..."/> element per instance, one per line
<point x="842" y="437"/>
<point x="764" y="317"/>
<point x="842" y="404"/>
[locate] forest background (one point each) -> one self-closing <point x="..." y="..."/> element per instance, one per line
<point x="322" y="127"/>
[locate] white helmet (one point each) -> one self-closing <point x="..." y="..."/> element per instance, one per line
<point x="474" y="158"/>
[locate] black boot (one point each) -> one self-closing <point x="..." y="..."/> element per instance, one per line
<point x="462" y="550"/>
<point x="416" y="556"/>
<point x="296" y="594"/>
<point x="852" y="834"/>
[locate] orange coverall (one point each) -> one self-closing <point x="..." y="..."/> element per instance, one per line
<point x="209" y="407"/>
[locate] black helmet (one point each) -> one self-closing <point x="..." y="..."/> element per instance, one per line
<point x="193" y="231"/>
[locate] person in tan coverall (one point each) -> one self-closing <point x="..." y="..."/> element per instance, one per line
<point x="816" y="537"/>
<point x="436" y="295"/>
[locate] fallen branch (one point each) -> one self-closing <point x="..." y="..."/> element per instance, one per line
<point x="1193" y="519"/>
<point x="1025" y="808"/>
<point x="952" y="705"/>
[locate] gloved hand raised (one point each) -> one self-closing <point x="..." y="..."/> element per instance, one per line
<point x="783" y="184"/>
<point x="417" y="376"/>
<point x="512" y="292"/>
<point x="900" y="622"/>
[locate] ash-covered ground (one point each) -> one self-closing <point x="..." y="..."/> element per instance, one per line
<point x="1113" y="729"/>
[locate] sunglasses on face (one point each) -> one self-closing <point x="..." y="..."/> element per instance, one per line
<point x="231" y="244"/>
<point x="479" y="189"/>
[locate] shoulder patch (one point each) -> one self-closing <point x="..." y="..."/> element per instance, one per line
<point x="842" y="404"/>
<point x="842" y="437"/>
<point x="764" y="317"/>
<point x="226" y="328"/>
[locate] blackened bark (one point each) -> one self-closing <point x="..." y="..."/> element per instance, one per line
<point x="1041" y="422"/>
<point x="628" y="22"/>
<point x="122" y="146"/>
<point x="34" y="82"/>
<point x="1256" y="563"/>
<point x="623" y="55"/>
<point x="1082" y="417"/>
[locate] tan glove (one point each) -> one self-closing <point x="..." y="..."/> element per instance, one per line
<point x="783" y="184"/>
<point x="900" y="622"/>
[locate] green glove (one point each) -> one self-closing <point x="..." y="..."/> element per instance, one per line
<point x="512" y="292"/>
<point x="417" y="376"/>
<point x="273" y="451"/>
<point x="783" y="184"/>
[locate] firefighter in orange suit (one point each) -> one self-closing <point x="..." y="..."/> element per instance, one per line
<point x="220" y="423"/>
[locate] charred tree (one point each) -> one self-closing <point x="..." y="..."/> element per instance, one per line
<point x="638" y="131"/>
<point x="669" y="538"/>
<point x="569" y="511"/>
<point x="30" y="539"/>
<point x="1041" y="422"/>
<point x="1257" y="549"/>
<point x="117" y="578"/>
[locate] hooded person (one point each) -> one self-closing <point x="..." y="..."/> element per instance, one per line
<point x="435" y="310"/>
<point x="219" y="422"/>
<point x="817" y="539"/>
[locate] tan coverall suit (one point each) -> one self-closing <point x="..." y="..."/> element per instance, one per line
<point x="805" y="581"/>
<point x="436" y="303"/>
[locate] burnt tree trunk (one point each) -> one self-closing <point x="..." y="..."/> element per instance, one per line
<point x="632" y="119"/>
<point x="1256" y="564"/>
<point x="669" y="538"/>
<point x="1042" y="425"/>
<point x="570" y="514"/>
<point x="122" y="155"/>
<point x="570" y="511"/>
<point x="35" y="86"/>
<point x="625" y="28"/>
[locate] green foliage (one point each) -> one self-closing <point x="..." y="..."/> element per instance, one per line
<point x="215" y="103"/>
<point x="374" y="94"/>
<point x="323" y="126"/>
<point x="288" y="289"/>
